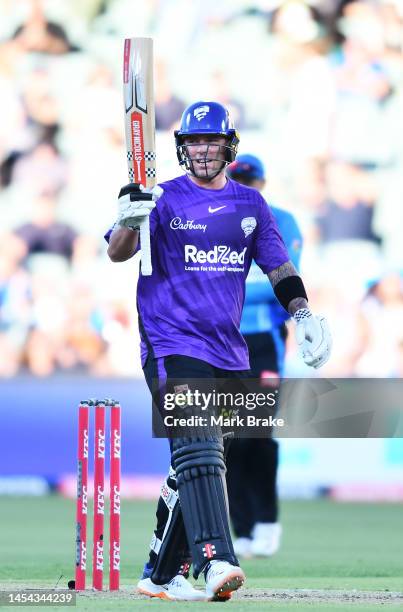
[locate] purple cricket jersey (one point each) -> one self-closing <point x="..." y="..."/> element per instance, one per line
<point x="202" y="245"/>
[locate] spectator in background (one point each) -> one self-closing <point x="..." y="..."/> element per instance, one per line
<point x="362" y="83"/>
<point x="398" y="373"/>
<point x="344" y="224"/>
<point x="316" y="105"/>
<point x="300" y="92"/>
<point x="15" y="305"/>
<point x="33" y="146"/>
<point x="34" y="156"/>
<point x="12" y="125"/>
<point x="391" y="15"/>
<point x="39" y="35"/>
<point x="83" y="343"/>
<point x="348" y="210"/>
<point x="93" y="135"/>
<point x="35" y="34"/>
<point x="41" y="169"/>
<point x="65" y="321"/>
<point x="168" y="107"/>
<point x="221" y="91"/>
<point x="381" y="319"/>
<point x="44" y="234"/>
<point x="49" y="291"/>
<point x="299" y="25"/>
<point x="309" y="184"/>
<point x="41" y="106"/>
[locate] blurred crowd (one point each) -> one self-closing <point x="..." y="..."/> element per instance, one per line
<point x="316" y="90"/>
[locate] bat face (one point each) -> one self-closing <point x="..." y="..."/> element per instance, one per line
<point x="139" y="110"/>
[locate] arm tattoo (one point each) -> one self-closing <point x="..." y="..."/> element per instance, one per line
<point x="287" y="269"/>
<point x="297" y="304"/>
<point x="275" y="276"/>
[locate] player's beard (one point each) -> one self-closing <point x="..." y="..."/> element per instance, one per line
<point x="199" y="166"/>
<point x="202" y="172"/>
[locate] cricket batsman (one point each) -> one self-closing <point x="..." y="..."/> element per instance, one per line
<point x="205" y="232"/>
<point x="252" y="464"/>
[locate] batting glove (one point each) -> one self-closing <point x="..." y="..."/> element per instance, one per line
<point x="136" y="202"/>
<point x="313" y="338"/>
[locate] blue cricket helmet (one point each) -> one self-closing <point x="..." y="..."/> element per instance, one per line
<point x="247" y="166"/>
<point x="207" y="118"/>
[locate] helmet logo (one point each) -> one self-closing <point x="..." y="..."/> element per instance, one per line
<point x="200" y="112"/>
<point x="248" y="224"/>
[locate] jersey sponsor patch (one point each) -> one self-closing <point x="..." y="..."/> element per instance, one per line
<point x="189" y="224"/>
<point x="218" y="254"/>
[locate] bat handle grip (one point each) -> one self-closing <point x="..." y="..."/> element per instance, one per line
<point x="146" y="265"/>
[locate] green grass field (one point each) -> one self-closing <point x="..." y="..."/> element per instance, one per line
<point x="328" y="547"/>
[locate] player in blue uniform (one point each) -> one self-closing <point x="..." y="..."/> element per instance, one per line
<point x="205" y="232"/>
<point x="252" y="463"/>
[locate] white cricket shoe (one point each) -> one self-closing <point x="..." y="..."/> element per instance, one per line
<point x="222" y="579"/>
<point x="266" y="539"/>
<point x="242" y="547"/>
<point x="177" y="589"/>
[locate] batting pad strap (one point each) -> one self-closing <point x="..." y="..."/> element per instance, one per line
<point x="169" y="496"/>
<point x="170" y="546"/>
<point x="172" y="550"/>
<point x="155" y="544"/>
<point x="288" y="289"/>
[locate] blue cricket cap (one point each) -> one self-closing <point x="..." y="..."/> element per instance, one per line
<point x="249" y="166"/>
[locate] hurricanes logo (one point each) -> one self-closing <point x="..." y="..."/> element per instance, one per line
<point x="248" y="224"/>
<point x="201" y="111"/>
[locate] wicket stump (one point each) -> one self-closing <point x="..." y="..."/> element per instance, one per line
<point x="99" y="494"/>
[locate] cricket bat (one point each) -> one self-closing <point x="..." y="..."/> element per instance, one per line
<point x="138" y="93"/>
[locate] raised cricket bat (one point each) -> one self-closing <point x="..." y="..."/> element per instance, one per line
<point x="138" y="92"/>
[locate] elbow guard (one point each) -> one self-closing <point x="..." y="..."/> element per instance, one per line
<point x="288" y="289"/>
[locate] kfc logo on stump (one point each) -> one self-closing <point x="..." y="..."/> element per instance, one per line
<point x="209" y="551"/>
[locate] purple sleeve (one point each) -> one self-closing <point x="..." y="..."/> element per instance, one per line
<point x="270" y="250"/>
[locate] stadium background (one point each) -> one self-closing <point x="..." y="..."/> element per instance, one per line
<point x="315" y="89"/>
